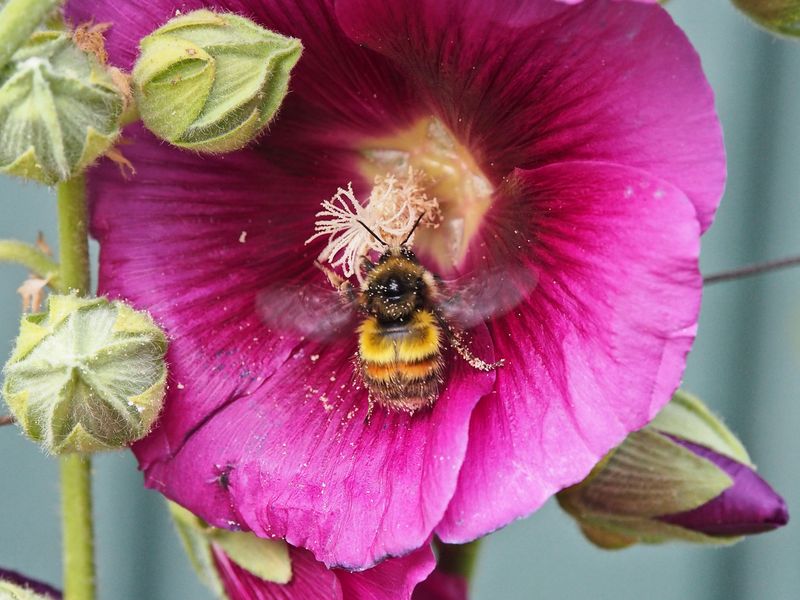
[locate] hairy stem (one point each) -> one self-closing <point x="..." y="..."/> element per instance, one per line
<point x="73" y="241"/>
<point x="77" y="527"/>
<point x="18" y="20"/>
<point x="750" y="270"/>
<point x="76" y="483"/>
<point x="6" y="420"/>
<point x="458" y="559"/>
<point x="31" y="257"/>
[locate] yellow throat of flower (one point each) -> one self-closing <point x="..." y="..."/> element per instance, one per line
<point x="443" y="170"/>
<point x="427" y="191"/>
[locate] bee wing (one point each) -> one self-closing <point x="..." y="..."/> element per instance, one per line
<point x="313" y="311"/>
<point x="476" y="297"/>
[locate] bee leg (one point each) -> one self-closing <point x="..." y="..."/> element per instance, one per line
<point x="344" y="287"/>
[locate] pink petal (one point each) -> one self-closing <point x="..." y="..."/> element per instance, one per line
<point x="599" y="346"/>
<point x="263" y="430"/>
<point x="393" y="579"/>
<point x="302" y="463"/>
<point x="194" y="240"/>
<point x="311" y="580"/>
<point x="442" y="586"/>
<point x="525" y="84"/>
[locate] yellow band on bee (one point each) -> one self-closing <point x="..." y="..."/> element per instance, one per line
<point x="421" y="342"/>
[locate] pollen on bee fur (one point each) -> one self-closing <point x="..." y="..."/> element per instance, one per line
<point x="391" y="211"/>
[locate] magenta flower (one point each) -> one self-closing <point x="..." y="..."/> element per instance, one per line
<point x="393" y="579"/>
<point x="576" y="143"/>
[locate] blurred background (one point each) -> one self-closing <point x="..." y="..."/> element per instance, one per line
<point x="745" y="365"/>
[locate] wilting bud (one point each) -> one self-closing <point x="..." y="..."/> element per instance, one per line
<point x="212" y="82"/>
<point x="86" y="375"/>
<point x="683" y="477"/>
<point x="214" y="553"/>
<point x="14" y="586"/>
<point x="780" y="16"/>
<point x="59" y="109"/>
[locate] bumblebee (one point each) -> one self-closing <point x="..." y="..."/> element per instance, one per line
<point x="400" y="339"/>
<point x="405" y="323"/>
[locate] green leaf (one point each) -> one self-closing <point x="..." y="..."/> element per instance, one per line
<point x="194" y="534"/>
<point x="645" y="531"/>
<point x="267" y="559"/>
<point x="648" y="475"/>
<point x="688" y="418"/>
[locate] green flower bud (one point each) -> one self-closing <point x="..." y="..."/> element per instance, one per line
<point x="780" y="16"/>
<point x="59" y="109"/>
<point x="266" y="559"/>
<point x="10" y="591"/>
<point x="86" y="375"/>
<point x="15" y="586"/>
<point x="212" y="82"/>
<point x="683" y="477"/>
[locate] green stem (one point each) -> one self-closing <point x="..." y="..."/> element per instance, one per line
<point x="458" y="559"/>
<point x="76" y="483"/>
<point x="73" y="240"/>
<point x="18" y="20"/>
<point x="31" y="257"/>
<point x="77" y="528"/>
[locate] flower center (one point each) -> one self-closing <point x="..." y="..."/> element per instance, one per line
<point x="447" y="172"/>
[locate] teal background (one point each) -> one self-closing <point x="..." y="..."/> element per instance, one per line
<point x="745" y="364"/>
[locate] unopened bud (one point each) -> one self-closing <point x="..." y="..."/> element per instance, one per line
<point x="59" y="109"/>
<point x="212" y="82"/>
<point x="86" y="375"/>
<point x="14" y="586"/>
<point x="779" y="16"/>
<point x="683" y="477"/>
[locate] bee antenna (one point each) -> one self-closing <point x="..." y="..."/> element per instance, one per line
<point x="410" y="233"/>
<point x="372" y="233"/>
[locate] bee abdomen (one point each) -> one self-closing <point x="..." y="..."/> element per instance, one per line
<point x="404" y="386"/>
<point x="402" y="371"/>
